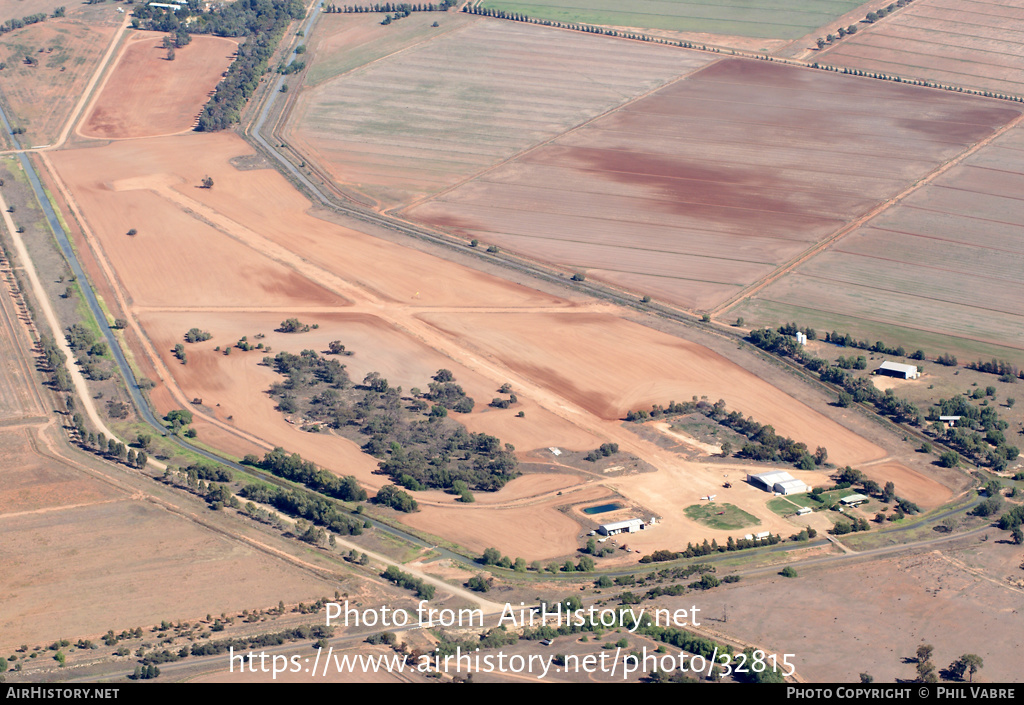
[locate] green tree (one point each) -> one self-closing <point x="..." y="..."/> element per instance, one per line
<point x="788" y="572"/>
<point x="924" y="652"/>
<point x="973" y="663"/>
<point x="491" y="556"/>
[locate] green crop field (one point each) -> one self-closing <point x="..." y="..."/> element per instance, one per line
<point x="775" y="19"/>
<point x="721" y="516"/>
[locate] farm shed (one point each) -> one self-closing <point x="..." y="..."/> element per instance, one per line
<point x="778" y="481"/>
<point x="629" y="526"/>
<point x="898" y="369"/>
<point x="853" y="500"/>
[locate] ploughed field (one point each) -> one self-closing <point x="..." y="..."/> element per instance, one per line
<point x="940" y="270"/>
<point x="708" y="185"/>
<point x="425" y="118"/>
<point x="782" y="19"/>
<point x="977" y="45"/>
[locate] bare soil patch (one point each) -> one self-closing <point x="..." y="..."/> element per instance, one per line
<point x="148" y="95"/>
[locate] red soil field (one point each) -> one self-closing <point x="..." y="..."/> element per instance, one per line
<point x="707" y="185"/>
<point x="147" y="95"/>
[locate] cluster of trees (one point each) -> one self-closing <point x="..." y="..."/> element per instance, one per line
<point x="199" y="480"/>
<point x="492" y="556"/>
<point x="287" y="70"/>
<point x="416" y="452"/>
<point x="262" y="22"/>
<point x="113" y="449"/>
<point x="293" y="325"/>
<point x="13" y="24"/>
<point x="293" y="467"/>
<point x="846" y="341"/>
<point x="90" y="352"/>
<point x="196" y="335"/>
<point x="310" y="507"/>
<point x="989" y="445"/>
<point x="391" y="496"/>
<point x="479" y="583"/>
<point x="606" y="450"/>
<point x="393" y="7"/>
<point x="445" y="392"/>
<point x="843" y="527"/>
<point x="501" y="403"/>
<point x="55" y="358"/>
<point x="145" y="672"/>
<point x="423" y="590"/>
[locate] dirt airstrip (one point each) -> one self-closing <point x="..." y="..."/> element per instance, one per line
<point x="239" y="258"/>
<point x="576" y="368"/>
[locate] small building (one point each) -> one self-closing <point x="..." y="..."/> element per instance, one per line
<point x="898" y="369"/>
<point x="801" y="338"/>
<point x="762" y="535"/>
<point x="853" y="500"/>
<point x="802" y="511"/>
<point x="951" y="420"/>
<point x="629" y="526"/>
<point x="555" y="451"/>
<point x="778" y="481"/>
<point x="164" y="4"/>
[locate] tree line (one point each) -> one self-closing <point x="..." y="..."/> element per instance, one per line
<point x="392" y="7"/>
<point x="261" y="22"/>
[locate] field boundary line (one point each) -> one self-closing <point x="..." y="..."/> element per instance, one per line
<point x="757" y="286"/>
